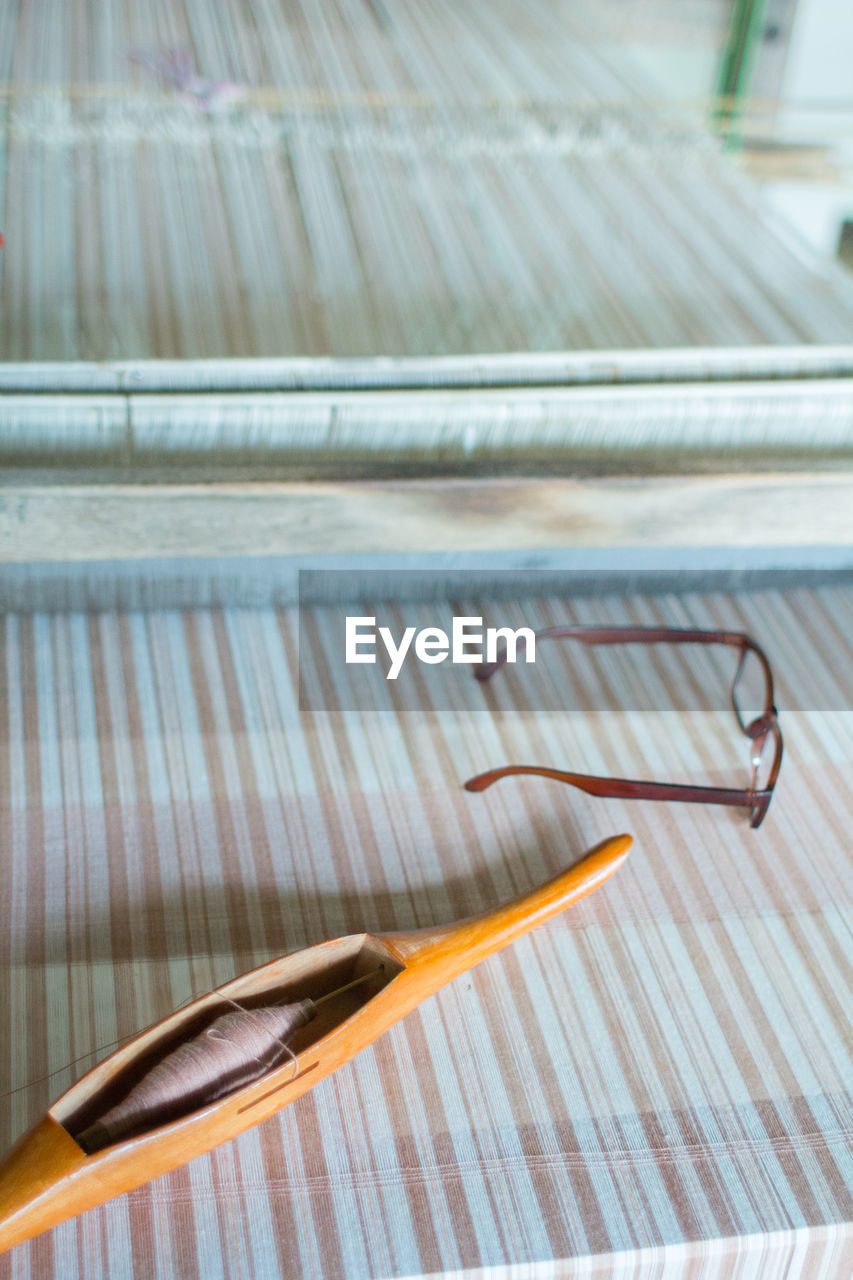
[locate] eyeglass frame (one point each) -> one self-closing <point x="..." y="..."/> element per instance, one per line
<point x="765" y="725"/>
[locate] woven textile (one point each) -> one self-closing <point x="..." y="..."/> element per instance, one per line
<point x="656" y="1083"/>
<point x="399" y="178"/>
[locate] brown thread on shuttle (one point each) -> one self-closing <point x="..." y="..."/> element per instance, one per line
<point x="236" y="1049"/>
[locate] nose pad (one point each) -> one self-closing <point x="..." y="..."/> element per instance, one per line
<point x="757" y="750"/>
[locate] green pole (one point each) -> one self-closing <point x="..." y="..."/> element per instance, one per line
<point x="736" y="70"/>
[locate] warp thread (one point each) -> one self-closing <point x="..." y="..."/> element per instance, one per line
<point x="237" y="1048"/>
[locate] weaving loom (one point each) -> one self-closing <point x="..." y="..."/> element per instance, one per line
<point x="396" y="181"/>
<point x="445" y="298"/>
<point x="221" y="827"/>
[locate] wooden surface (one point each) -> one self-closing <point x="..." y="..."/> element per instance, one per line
<point x="106" y="522"/>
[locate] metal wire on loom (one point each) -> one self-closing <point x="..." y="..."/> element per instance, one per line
<point x="396" y="179"/>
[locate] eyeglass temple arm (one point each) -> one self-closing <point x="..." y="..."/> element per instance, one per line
<point x="626" y="789"/>
<point x="618" y="788"/>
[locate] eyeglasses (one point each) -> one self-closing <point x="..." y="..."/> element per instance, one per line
<point x="761" y="728"/>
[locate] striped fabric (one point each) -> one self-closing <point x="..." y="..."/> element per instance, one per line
<point x="400" y="178"/>
<point x="655" y="1084"/>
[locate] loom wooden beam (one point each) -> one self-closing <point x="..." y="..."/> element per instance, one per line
<point x="80" y="522"/>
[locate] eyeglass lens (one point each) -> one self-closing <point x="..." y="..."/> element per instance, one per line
<point x="751" y="695"/>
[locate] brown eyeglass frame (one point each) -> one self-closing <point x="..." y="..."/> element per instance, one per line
<point x="756" y="799"/>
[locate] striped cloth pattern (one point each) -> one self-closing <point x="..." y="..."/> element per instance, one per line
<point x="399" y="179"/>
<point x="657" y="1083"/>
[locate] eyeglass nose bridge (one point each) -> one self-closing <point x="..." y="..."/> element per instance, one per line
<point x="760" y="728"/>
<point x="758" y="731"/>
